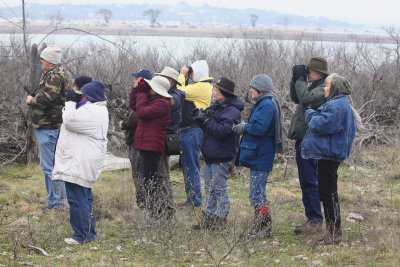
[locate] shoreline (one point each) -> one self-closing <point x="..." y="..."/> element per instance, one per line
<point x="246" y="33"/>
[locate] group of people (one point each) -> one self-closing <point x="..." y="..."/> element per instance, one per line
<point x="189" y="113"/>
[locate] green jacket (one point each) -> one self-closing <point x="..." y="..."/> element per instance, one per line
<point x="46" y="106"/>
<point x="312" y="96"/>
<point x="129" y="125"/>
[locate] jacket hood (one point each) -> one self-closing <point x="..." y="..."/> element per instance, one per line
<point x="339" y="85"/>
<point x="200" y="70"/>
<point x="233" y="101"/>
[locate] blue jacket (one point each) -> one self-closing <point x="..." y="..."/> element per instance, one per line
<point x="331" y="131"/>
<point x="176" y="109"/>
<point x="219" y="142"/>
<point x="257" y="149"/>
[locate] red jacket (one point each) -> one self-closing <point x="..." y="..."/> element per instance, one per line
<point x="153" y="119"/>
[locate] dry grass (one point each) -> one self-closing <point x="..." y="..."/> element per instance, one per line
<point x="128" y="237"/>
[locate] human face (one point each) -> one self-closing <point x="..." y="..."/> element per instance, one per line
<point x="327" y="87"/>
<point x="152" y="92"/>
<point x="254" y="93"/>
<point x="313" y="76"/>
<point x="217" y="95"/>
<point x="45" y="64"/>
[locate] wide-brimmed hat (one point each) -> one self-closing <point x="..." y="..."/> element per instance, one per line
<point x="143" y="73"/>
<point x="225" y="85"/>
<point x="319" y="64"/>
<point x="160" y="85"/>
<point x="168" y="72"/>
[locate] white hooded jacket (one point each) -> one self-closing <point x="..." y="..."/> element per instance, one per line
<point x="82" y="143"/>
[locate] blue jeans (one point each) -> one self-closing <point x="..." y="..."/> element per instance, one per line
<point x="307" y="169"/>
<point x="190" y="144"/>
<point x="257" y="188"/>
<point x="80" y="201"/>
<point x="216" y="187"/>
<point x="56" y="196"/>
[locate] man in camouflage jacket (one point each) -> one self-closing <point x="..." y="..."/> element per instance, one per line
<point x="46" y="117"/>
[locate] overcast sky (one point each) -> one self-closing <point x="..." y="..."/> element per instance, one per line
<point x="370" y="12"/>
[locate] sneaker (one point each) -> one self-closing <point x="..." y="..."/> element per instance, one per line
<point x="309" y="228"/>
<point x="71" y="241"/>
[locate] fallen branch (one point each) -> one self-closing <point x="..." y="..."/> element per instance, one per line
<point x="37" y="249"/>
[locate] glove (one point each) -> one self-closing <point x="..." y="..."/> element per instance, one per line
<point x="70" y="95"/>
<point x="239" y="128"/>
<point x="143" y="86"/>
<point x="299" y="72"/>
<point x="201" y="116"/>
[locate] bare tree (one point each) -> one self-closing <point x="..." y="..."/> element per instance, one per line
<point x="253" y="19"/>
<point x="105" y="13"/>
<point x="153" y="14"/>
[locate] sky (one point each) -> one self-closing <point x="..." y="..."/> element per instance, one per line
<point x="368" y="12"/>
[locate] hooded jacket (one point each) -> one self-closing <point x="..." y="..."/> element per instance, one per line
<point x="331" y="128"/>
<point x="82" y="143"/>
<point x="219" y="142"/>
<point x="176" y="110"/>
<point x="197" y="95"/>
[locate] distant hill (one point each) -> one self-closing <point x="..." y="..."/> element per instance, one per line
<point x="174" y="15"/>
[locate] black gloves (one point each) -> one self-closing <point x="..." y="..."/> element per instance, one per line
<point x="299" y="72"/>
<point x="199" y="115"/>
<point x="71" y="96"/>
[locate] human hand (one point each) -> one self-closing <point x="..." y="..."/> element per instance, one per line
<point x="70" y="95"/>
<point x="143" y="86"/>
<point x="299" y="72"/>
<point x="29" y="99"/>
<point x="201" y="116"/>
<point x="239" y="128"/>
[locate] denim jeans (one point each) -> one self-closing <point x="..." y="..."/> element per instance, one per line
<point x="307" y="169"/>
<point x="216" y="188"/>
<point x="56" y="196"/>
<point x="257" y="188"/>
<point x="190" y="144"/>
<point x="81" y="214"/>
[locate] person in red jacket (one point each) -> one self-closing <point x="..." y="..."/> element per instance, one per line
<point x="153" y="111"/>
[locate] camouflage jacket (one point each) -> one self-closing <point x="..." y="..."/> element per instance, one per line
<point x="46" y="106"/>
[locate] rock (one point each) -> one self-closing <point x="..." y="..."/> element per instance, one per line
<point x="112" y="163"/>
<point x="355" y="217"/>
<point x="316" y="263"/>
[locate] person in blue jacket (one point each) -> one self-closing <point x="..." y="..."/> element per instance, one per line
<point x="262" y="138"/>
<point x="330" y="134"/>
<point x="218" y="146"/>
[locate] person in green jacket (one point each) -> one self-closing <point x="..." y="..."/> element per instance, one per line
<point x="307" y="90"/>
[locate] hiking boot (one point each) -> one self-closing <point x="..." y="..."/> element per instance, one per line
<point x="332" y="237"/>
<point x="262" y="224"/>
<point x="206" y="222"/>
<point x="218" y="224"/>
<point x="309" y="228"/>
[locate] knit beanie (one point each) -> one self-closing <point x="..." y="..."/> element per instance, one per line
<point x="52" y="54"/>
<point x="262" y="83"/>
<point x="94" y="91"/>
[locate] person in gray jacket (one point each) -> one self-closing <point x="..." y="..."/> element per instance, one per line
<point x="307" y="90"/>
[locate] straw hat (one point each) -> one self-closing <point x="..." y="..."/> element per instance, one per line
<point x="160" y="85"/>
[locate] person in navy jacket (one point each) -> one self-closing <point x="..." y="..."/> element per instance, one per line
<point x="218" y="146"/>
<point x="330" y="134"/>
<point x="262" y="138"/>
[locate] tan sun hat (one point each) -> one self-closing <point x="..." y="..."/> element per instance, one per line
<point x="170" y="73"/>
<point x="160" y="85"/>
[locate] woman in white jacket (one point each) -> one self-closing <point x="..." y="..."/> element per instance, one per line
<point x="80" y="152"/>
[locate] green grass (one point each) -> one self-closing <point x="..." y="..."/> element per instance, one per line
<point x="128" y="237"/>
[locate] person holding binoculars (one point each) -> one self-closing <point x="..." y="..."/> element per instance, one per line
<point x="197" y="95"/>
<point x="307" y="90"/>
<point x="218" y="146"/>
